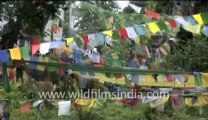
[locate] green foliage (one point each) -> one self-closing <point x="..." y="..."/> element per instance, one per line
<point x="29" y="16"/>
<point x="113" y="111"/>
<point x="190" y="54"/>
<point x="92" y="16"/>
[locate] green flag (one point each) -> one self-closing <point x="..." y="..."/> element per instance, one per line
<point x="198" y="80"/>
<point x="205" y="17"/>
<point x="78" y="41"/>
<point x="5" y="77"/>
<point x="25" y="52"/>
<point x="162" y="25"/>
<point x="52" y="68"/>
<point x="115" y="35"/>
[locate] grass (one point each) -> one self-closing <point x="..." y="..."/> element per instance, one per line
<point x="113" y="111"/>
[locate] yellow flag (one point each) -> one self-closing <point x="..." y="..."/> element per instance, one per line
<point x="114" y="55"/>
<point x="121" y="81"/>
<point x="15" y="54"/>
<point x="163" y="51"/>
<point x="42" y="67"/>
<point x="205" y="79"/>
<point x="108" y="32"/>
<point x="68" y="40"/>
<point x="159" y="101"/>
<point x="202" y="100"/>
<point x="136" y="40"/>
<point x="198" y="18"/>
<point x="85" y="103"/>
<point x="153" y="27"/>
<point x="193" y="28"/>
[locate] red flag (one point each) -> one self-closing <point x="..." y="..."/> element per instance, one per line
<point x="172" y="23"/>
<point x="176" y="101"/>
<point x="144" y="51"/>
<point x="123" y="33"/>
<point x="55" y="28"/>
<point x="118" y="76"/>
<point x="170" y="78"/>
<point x="24" y="108"/>
<point x="35" y="44"/>
<point x="61" y="70"/>
<point x="85" y="38"/>
<point x="11" y="74"/>
<point x="151" y="14"/>
<point x="132" y="101"/>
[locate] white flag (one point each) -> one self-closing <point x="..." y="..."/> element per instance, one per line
<point x="136" y="8"/>
<point x="64" y="108"/>
<point x="181" y="20"/>
<point x="44" y="48"/>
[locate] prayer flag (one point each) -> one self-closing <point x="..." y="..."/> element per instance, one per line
<point x="135" y="8"/>
<point x="153" y="27"/>
<point x="139" y="30"/>
<point x="68" y="40"/>
<point x="15" y="54"/>
<point x="198" y="18"/>
<point x="123" y="33"/>
<point x="131" y="32"/>
<point x="44" y="48"/>
<point x="108" y="32"/>
<point x="172" y="23"/>
<point x="151" y="14"/>
<point x="4" y="56"/>
<point x="35" y="44"/>
<point x="25" y="52"/>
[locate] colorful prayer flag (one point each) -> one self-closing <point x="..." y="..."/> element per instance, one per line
<point x="135" y="8"/>
<point x="181" y="20"/>
<point x="68" y="40"/>
<point x="205" y="17"/>
<point x="78" y="41"/>
<point x="108" y="32"/>
<point x="139" y="30"/>
<point x="123" y="33"/>
<point x="95" y="58"/>
<point x="15" y="54"/>
<point x="42" y="67"/>
<point x="4" y="56"/>
<point x="172" y="23"/>
<point x="193" y="28"/>
<point x="116" y="34"/>
<point x="44" y="48"/>
<point x="153" y="27"/>
<point x="131" y="32"/>
<point x="92" y="40"/>
<point x="25" y="52"/>
<point x="55" y="28"/>
<point x="198" y="18"/>
<point x="35" y="59"/>
<point x="100" y="38"/>
<point x="162" y="25"/>
<point x="191" y="20"/>
<point x="85" y="38"/>
<point x="152" y="14"/>
<point x="56" y="43"/>
<point x="35" y="44"/>
<point x="64" y="108"/>
<point x="204" y="30"/>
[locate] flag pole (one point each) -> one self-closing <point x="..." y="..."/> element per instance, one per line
<point x="5" y="78"/>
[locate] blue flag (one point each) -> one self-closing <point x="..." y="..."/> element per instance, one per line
<point x="191" y="20"/>
<point x="4" y="56"/>
<point x="139" y="30"/>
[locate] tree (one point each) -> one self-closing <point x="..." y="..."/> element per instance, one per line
<point x="92" y="15"/>
<point x="28" y="16"/>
